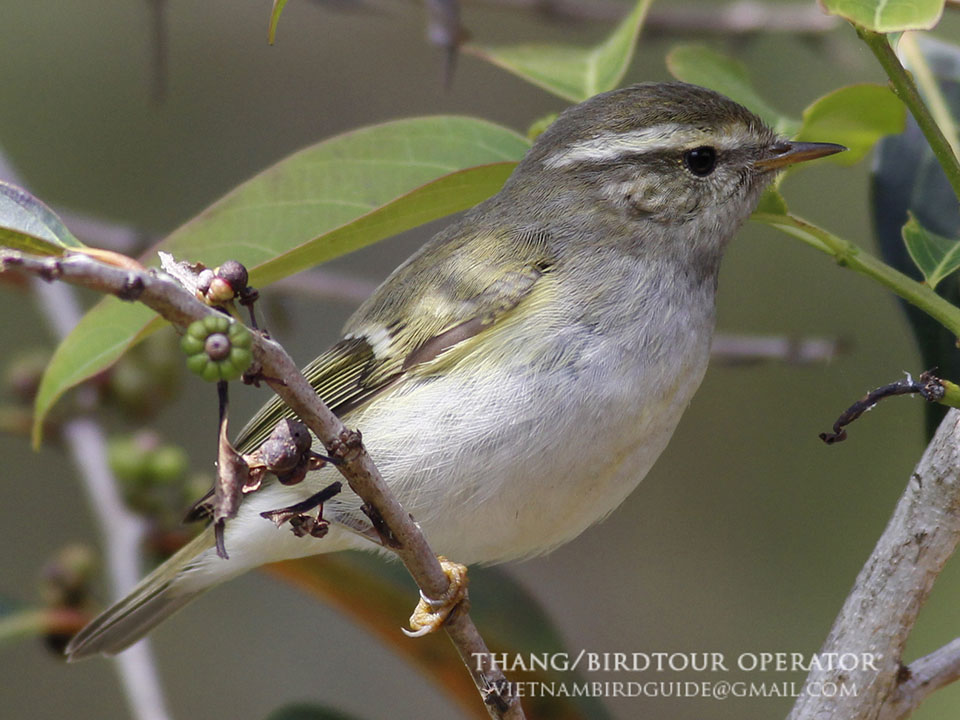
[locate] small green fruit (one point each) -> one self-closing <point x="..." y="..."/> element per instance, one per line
<point x="217" y="348"/>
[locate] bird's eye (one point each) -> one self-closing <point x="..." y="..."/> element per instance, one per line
<point x="700" y="161"/>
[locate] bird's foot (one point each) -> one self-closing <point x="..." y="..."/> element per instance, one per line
<point x="430" y="614"/>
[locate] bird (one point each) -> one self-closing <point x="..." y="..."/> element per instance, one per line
<point x="517" y="376"/>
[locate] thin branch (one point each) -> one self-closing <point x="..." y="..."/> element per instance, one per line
<point x="732" y="349"/>
<point x="122" y="531"/>
<point x="921" y="678"/>
<point x="162" y="294"/>
<point x="889" y="592"/>
<point x="927" y="385"/>
<point x="122" y="535"/>
<point x="444" y="31"/>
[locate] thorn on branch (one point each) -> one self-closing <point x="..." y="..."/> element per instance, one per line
<point x="928" y="386"/>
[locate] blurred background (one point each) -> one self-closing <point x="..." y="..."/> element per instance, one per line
<point x="745" y="537"/>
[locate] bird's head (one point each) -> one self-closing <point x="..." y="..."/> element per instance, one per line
<point x="669" y="154"/>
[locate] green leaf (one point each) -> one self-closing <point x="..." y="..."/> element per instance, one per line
<point x="16" y="240"/>
<point x="887" y="16"/>
<point x="274" y="19"/>
<point x="936" y="256"/>
<point x="702" y="66"/>
<point x="571" y="72"/>
<point x="28" y="224"/>
<point x="324" y="201"/>
<point x="856" y="116"/>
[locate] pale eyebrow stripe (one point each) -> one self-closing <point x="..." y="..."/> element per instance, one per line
<point x="657" y="138"/>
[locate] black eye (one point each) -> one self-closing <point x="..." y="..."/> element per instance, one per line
<point x="700" y="161"/>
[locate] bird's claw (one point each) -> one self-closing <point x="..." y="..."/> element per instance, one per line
<point x="430" y="614"/>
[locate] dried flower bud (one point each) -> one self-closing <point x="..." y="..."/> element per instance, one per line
<point x="204" y="278"/>
<point x="233" y="273"/>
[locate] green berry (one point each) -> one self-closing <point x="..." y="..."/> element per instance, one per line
<point x="217" y="348"/>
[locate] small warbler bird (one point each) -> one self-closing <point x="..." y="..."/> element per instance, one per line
<point x="517" y="377"/>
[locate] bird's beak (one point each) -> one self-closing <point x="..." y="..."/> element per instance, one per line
<point x="788" y="152"/>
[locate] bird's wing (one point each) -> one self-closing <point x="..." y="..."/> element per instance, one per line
<point x="452" y="291"/>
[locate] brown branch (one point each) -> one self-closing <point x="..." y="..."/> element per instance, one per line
<point x="162" y="294"/>
<point x="921" y="678"/>
<point x="928" y="386"/>
<point x="889" y="592"/>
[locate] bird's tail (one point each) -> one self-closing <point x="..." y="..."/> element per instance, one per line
<point x="153" y="600"/>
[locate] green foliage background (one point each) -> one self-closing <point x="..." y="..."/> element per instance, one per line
<point x="744" y="539"/>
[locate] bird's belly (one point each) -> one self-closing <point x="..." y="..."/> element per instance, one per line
<point x="521" y="463"/>
<point x="520" y="470"/>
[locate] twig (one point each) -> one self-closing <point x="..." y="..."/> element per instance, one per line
<point x="122" y="531"/>
<point x="892" y="587"/>
<point x="162" y="294"/>
<point x="928" y="386"/>
<point x="921" y="678"/>
<point x="444" y="30"/>
<point x="741" y="349"/>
